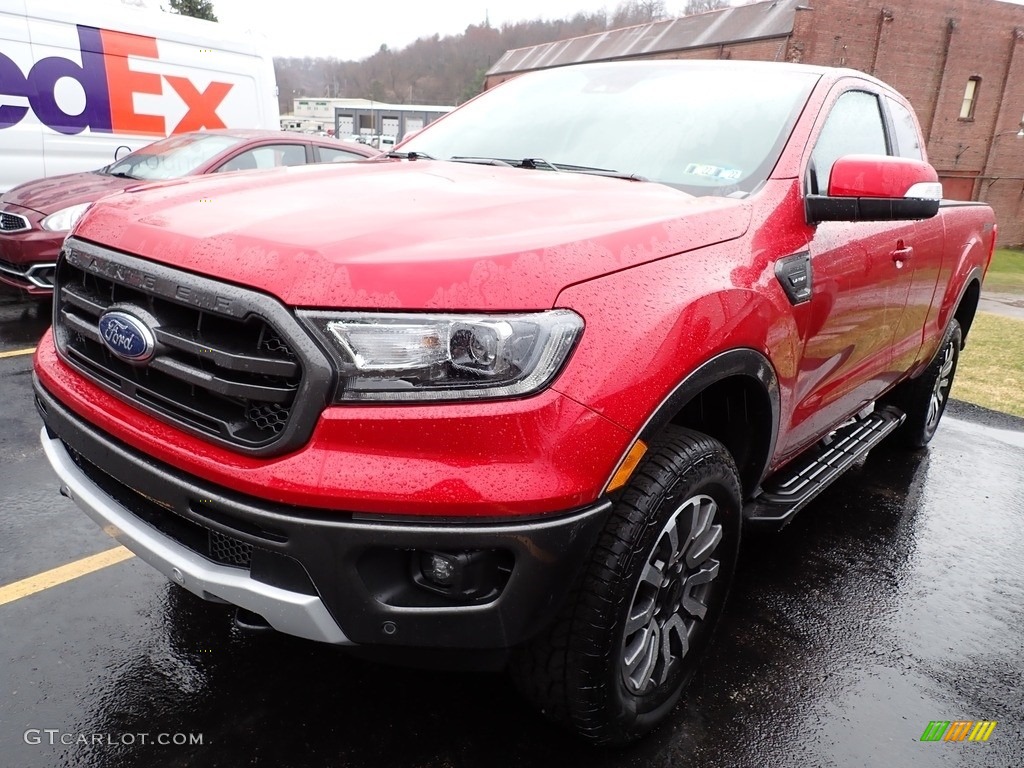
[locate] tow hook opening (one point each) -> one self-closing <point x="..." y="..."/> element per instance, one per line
<point x="248" y="621"/>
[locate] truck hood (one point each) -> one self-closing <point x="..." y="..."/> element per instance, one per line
<point x="51" y="194"/>
<point x="410" y="234"/>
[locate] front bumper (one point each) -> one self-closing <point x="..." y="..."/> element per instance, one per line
<point x="490" y="459"/>
<point x="28" y="257"/>
<point x="336" y="577"/>
<point x="290" y="612"/>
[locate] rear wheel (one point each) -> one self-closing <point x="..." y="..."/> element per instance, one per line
<point x="623" y="649"/>
<point x="924" y="399"/>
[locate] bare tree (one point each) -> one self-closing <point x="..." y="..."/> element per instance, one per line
<point x="701" y="6"/>
<point x="638" y="12"/>
<point x="441" y="70"/>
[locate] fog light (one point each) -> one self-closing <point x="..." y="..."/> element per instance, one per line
<point x="438" y="569"/>
<point x="472" y="575"/>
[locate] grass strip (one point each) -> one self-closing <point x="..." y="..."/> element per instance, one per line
<point x="991" y="368"/>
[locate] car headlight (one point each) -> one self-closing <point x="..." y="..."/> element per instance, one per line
<point x="65" y="218"/>
<point x="411" y="356"/>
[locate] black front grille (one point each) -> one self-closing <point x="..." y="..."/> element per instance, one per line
<point x="12" y="222"/>
<point x="14" y="272"/>
<point x="212" y="544"/>
<point x="229" y="550"/>
<point x="35" y="275"/>
<point x="218" y="370"/>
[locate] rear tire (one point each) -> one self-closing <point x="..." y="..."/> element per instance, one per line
<point x="616" y="660"/>
<point x="924" y="399"/>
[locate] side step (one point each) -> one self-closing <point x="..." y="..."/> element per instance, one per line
<point x="789" y="491"/>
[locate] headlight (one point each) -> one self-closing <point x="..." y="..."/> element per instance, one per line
<point x="407" y="356"/>
<point x="65" y="218"/>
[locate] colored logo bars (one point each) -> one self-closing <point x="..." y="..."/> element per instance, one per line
<point x="958" y="730"/>
<point x="110" y="85"/>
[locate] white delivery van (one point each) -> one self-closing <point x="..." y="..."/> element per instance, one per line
<point x="80" y="79"/>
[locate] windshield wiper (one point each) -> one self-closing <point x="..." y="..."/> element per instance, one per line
<point x="539" y="163"/>
<point x="531" y="163"/>
<point x="123" y="175"/>
<point x="483" y="161"/>
<point x="409" y="156"/>
<point x="602" y="172"/>
<point x="536" y="163"/>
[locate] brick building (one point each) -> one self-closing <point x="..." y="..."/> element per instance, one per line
<point x="960" y="62"/>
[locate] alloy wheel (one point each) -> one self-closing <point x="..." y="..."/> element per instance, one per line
<point x="671" y="598"/>
<point x="940" y="392"/>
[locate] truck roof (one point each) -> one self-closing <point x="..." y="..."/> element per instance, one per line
<point x="827" y="73"/>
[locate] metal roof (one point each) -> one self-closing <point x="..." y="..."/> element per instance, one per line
<point x="729" y="25"/>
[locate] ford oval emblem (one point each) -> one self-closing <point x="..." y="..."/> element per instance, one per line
<point x="126" y="336"/>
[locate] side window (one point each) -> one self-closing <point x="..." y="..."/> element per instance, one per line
<point x="334" y="155"/>
<point x="908" y="139"/>
<point x="854" y="127"/>
<point x="270" y="156"/>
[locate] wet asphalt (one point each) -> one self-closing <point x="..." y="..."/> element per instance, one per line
<point x="895" y="599"/>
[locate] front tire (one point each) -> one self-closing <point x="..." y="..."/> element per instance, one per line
<point x="626" y="644"/>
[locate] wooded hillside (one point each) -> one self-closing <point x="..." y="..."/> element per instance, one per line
<point x="450" y="69"/>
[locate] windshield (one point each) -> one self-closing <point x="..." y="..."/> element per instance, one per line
<point x="173" y="157"/>
<point x="703" y="127"/>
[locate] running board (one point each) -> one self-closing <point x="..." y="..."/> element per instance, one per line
<point x="786" y="493"/>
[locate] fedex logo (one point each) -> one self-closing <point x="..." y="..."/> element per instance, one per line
<point x="110" y="84"/>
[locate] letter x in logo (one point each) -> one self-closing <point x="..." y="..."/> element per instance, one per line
<point x="202" y="106"/>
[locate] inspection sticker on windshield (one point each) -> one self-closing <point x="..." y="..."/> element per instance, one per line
<point x="713" y="172"/>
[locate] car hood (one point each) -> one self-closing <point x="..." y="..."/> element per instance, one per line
<point x="51" y="194"/>
<point x="410" y="234"/>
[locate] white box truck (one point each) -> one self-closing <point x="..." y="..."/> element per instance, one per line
<point x="78" y="80"/>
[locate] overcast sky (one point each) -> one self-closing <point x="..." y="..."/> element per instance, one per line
<point x="354" y="29"/>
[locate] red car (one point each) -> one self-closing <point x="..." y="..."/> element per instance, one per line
<point x="524" y="389"/>
<point x="36" y="216"/>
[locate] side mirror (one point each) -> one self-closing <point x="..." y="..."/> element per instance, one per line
<point x="118" y="154"/>
<point x="877" y="188"/>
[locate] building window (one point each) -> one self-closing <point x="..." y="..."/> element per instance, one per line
<point x="970" y="98"/>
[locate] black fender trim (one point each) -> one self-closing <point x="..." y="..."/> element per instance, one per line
<point x="735" y="362"/>
<point x="978" y="274"/>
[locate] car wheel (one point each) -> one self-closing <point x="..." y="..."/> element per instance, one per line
<point x="617" y="659"/>
<point x="924" y="399"/>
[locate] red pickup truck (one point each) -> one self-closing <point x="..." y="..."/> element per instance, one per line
<point x="530" y="407"/>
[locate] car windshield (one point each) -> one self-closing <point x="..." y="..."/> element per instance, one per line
<point x="173" y="157"/>
<point x="706" y="128"/>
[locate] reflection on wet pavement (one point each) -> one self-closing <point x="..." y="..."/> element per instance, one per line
<point x="22" y="322"/>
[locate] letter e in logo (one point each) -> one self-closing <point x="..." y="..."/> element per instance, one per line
<point x="124" y="83"/>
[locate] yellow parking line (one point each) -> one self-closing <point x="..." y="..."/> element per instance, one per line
<point x="62" y="574"/>
<point x="16" y="352"/>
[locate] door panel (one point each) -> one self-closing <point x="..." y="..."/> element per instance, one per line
<point x="858" y="294"/>
<point x="924" y="265"/>
<point x="859" y="285"/>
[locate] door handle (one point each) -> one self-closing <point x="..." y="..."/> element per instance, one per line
<point x="901" y="254"/>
